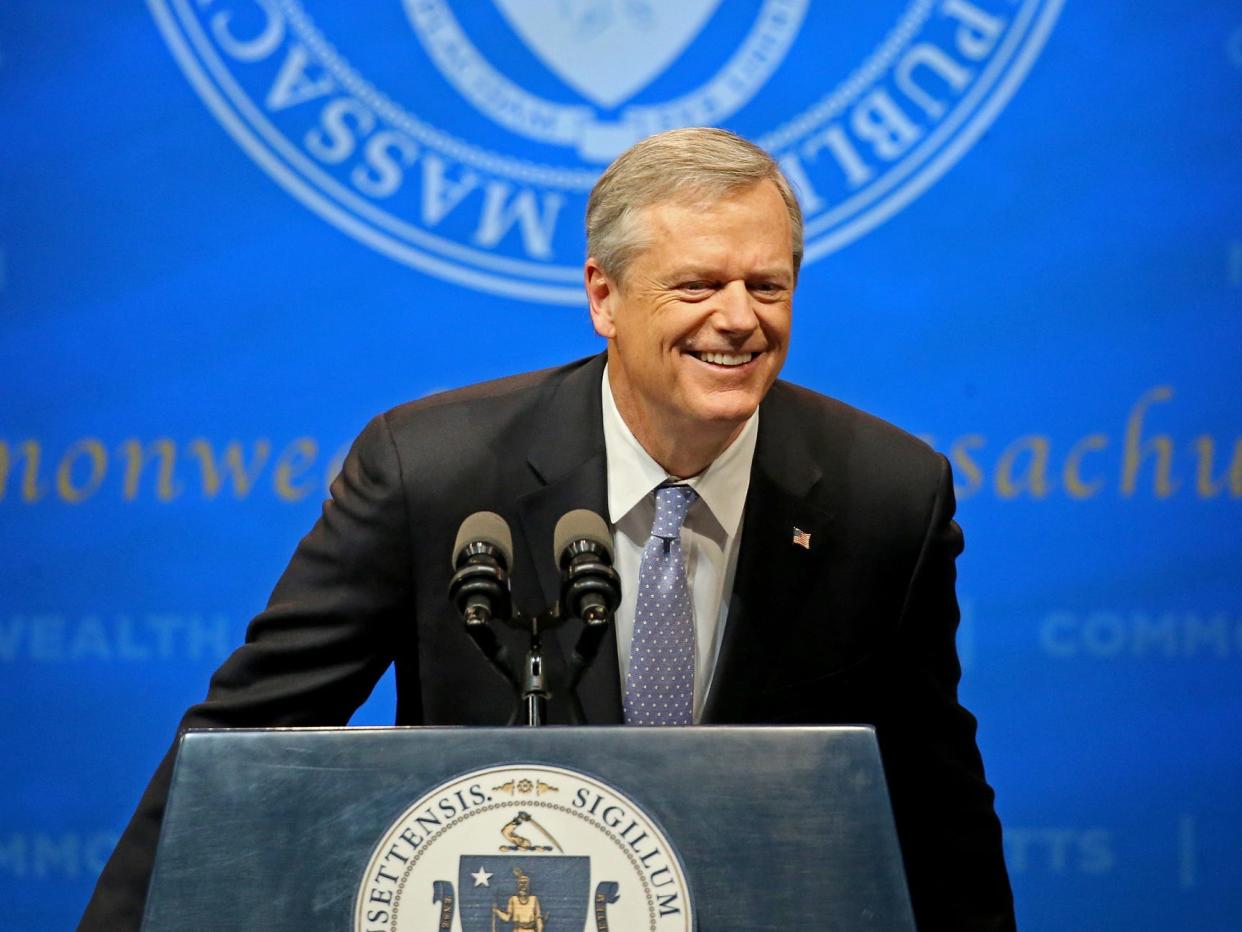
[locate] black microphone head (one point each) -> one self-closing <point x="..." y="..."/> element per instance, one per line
<point x="577" y="525"/>
<point x="487" y="527"/>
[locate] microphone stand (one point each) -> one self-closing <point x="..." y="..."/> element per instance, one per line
<point x="480" y="590"/>
<point x="531" y="693"/>
<point x="533" y="698"/>
<point x="531" y="690"/>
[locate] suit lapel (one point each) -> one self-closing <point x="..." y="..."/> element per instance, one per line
<point x="568" y="461"/>
<point x="777" y="578"/>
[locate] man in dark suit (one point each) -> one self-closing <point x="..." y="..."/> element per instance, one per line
<point x="818" y="575"/>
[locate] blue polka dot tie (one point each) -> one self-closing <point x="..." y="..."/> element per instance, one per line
<point x="659" y="689"/>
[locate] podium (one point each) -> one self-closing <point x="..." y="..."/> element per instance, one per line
<point x="559" y="829"/>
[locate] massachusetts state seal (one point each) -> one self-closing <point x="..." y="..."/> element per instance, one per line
<point x="536" y="848"/>
<point x="462" y="138"/>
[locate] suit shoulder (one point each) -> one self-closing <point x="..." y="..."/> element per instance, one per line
<point x="481" y="407"/>
<point x="473" y="437"/>
<point x="832" y="427"/>
<point x="508" y="389"/>
<point x="881" y="482"/>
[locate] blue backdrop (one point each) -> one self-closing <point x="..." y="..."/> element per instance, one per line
<point x="232" y="230"/>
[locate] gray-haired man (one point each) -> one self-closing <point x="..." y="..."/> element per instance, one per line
<point x="817" y="542"/>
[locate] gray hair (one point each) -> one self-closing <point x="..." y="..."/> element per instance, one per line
<point x="696" y="163"/>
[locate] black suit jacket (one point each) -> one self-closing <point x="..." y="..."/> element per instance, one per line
<point x="858" y="628"/>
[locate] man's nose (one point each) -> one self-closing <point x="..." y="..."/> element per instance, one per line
<point x="735" y="310"/>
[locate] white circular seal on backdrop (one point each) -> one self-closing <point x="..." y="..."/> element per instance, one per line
<point x="462" y="139"/>
<point x="524" y="847"/>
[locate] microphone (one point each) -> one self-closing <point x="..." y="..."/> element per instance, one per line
<point x="590" y="587"/>
<point x="482" y="555"/>
<point x="590" y="590"/>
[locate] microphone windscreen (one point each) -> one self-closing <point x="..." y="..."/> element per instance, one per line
<point x="485" y="526"/>
<point x="580" y="524"/>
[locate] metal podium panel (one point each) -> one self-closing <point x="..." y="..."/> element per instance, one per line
<point x="774" y="828"/>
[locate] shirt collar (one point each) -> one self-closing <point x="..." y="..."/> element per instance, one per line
<point x="632" y="473"/>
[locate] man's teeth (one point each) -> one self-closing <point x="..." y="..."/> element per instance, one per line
<point x="727" y="359"/>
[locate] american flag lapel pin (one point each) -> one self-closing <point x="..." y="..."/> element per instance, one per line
<point x="802" y="538"/>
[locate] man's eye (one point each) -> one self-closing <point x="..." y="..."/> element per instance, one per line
<point x="696" y="286"/>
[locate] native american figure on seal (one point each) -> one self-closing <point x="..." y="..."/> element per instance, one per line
<point x="523" y="910"/>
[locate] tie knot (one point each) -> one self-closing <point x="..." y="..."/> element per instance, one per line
<point x="672" y="503"/>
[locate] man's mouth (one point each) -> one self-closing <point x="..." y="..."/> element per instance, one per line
<point x="724" y="359"/>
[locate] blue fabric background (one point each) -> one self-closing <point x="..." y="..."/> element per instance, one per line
<point x="1058" y="313"/>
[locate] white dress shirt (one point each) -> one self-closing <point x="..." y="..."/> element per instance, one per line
<point x="709" y="538"/>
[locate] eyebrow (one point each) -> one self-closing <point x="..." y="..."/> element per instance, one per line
<point x="774" y="273"/>
<point x="781" y="273"/>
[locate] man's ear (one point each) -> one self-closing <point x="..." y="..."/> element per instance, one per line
<point x="602" y="296"/>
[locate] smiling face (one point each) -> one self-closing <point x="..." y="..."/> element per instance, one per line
<point x="699" y="327"/>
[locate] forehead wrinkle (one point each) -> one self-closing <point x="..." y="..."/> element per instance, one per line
<point x="713" y="241"/>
